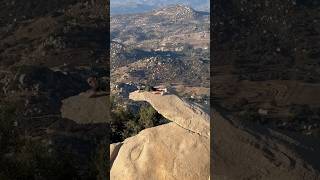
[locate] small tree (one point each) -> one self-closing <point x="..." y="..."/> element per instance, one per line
<point x="149" y="117"/>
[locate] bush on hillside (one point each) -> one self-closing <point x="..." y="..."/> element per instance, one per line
<point x="149" y="117"/>
<point x="125" y="124"/>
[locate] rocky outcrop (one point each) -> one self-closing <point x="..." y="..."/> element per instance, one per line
<point x="180" y="149"/>
<point x="177" y="12"/>
<point x="260" y="153"/>
<point x="84" y="109"/>
<point x="177" y="150"/>
<point x="185" y="114"/>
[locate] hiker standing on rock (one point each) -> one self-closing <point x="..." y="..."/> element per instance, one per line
<point x="152" y="89"/>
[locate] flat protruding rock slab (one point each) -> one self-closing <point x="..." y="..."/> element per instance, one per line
<point x="166" y="152"/>
<point x="186" y="115"/>
<point x="83" y="109"/>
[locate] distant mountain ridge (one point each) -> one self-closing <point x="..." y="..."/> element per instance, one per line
<point x="140" y="6"/>
<point x="171" y="12"/>
<point x="177" y="10"/>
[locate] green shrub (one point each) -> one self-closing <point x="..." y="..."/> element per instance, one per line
<point x="149" y="117"/>
<point x="125" y="124"/>
<point x="132" y="128"/>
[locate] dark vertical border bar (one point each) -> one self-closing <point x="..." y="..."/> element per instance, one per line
<point x="108" y="85"/>
<point x="212" y="11"/>
<point x="106" y="14"/>
<point x="103" y="7"/>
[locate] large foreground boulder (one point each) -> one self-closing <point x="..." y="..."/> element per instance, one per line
<point x="177" y="150"/>
<point x="164" y="152"/>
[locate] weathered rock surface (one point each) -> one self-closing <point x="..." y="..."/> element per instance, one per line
<point x="164" y="152"/>
<point x="84" y="109"/>
<point x="260" y="153"/>
<point x="186" y="115"/>
<point x="171" y="151"/>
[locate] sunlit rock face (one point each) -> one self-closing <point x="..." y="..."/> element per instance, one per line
<point x="177" y="150"/>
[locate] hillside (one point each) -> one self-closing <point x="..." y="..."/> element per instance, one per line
<point x="47" y="50"/>
<point x="55" y="36"/>
<point x="156" y="26"/>
<point x="265" y="71"/>
<point x="168" y="45"/>
<point x="266" y="60"/>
